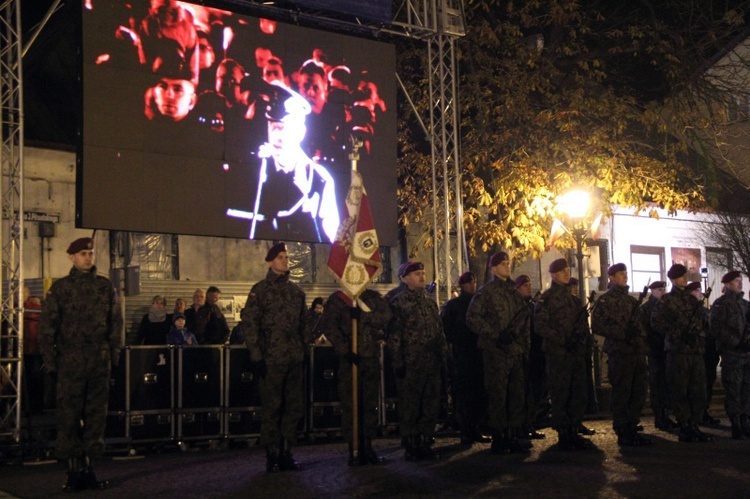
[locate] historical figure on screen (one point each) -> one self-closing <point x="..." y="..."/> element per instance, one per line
<point x="295" y="197"/>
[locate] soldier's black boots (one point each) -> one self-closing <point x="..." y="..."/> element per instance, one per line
<point x="286" y="460"/>
<point x="745" y="422"/>
<point x="368" y="454"/>
<point x="565" y="439"/>
<point x="665" y="423"/>
<point x="517" y="443"/>
<point x="577" y="442"/>
<point x="686" y="433"/>
<point x="700" y="436"/>
<point x="73" y="476"/>
<point x="737" y="433"/>
<point x="533" y="434"/>
<point x="410" y="449"/>
<point x="424" y="448"/>
<point x="499" y="444"/>
<point x="272" y="459"/>
<point x="89" y="479"/>
<point x="585" y="431"/>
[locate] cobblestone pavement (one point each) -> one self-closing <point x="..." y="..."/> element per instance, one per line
<point x="667" y="469"/>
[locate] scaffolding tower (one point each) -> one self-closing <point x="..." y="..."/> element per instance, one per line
<point x="11" y="236"/>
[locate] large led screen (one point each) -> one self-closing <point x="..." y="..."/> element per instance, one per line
<point x="202" y="121"/>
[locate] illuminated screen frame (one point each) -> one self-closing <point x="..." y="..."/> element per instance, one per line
<point x="152" y="162"/>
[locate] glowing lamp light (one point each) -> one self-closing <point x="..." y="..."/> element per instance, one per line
<point x="575" y="204"/>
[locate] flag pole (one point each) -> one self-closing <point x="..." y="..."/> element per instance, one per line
<point x="354" y="157"/>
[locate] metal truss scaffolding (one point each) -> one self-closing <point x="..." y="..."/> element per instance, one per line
<point x="11" y="237"/>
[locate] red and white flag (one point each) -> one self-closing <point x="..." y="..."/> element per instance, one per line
<point x="558" y="229"/>
<point x="354" y="259"/>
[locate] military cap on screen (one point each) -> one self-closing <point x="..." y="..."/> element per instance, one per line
<point x="618" y="267"/>
<point x="80" y="244"/>
<point x="412" y="267"/>
<point x="693" y="286"/>
<point x="558" y="265"/>
<point x="676" y="271"/>
<point x="274" y="251"/>
<point x="286" y="104"/>
<point x="521" y="280"/>
<point x="730" y="276"/>
<point x="466" y="277"/>
<point x="573" y="282"/>
<point x="177" y="316"/>
<point x="657" y="284"/>
<point x="498" y="257"/>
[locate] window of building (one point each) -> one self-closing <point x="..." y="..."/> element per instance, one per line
<point x="646" y="265"/>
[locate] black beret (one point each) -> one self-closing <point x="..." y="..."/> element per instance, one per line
<point x="317" y="301"/>
<point x="730" y="276"/>
<point x="274" y="251"/>
<point x="618" y="267"/>
<point x="80" y="244"/>
<point x="466" y="277"/>
<point x="676" y="271"/>
<point x="411" y="268"/>
<point x="177" y="316"/>
<point x="693" y="286"/>
<point x="400" y="271"/>
<point x="498" y="257"/>
<point x="657" y="284"/>
<point x="521" y="280"/>
<point x="558" y="265"/>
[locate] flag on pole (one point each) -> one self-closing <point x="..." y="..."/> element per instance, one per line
<point x="355" y="259"/>
<point x="596" y="227"/>
<point x="558" y="229"/>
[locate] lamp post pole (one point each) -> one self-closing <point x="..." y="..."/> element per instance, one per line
<point x="593" y="377"/>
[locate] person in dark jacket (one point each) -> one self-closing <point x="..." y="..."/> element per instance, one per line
<point x="273" y="321"/>
<point x="80" y="339"/>
<point x="178" y="334"/>
<point x="155" y="325"/>
<point x="210" y="324"/>
<point x="467" y="388"/>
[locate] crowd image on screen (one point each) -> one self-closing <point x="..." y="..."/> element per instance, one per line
<point x="215" y="77"/>
<point x="192" y="49"/>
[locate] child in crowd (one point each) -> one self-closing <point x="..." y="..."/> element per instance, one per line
<point x="179" y="335"/>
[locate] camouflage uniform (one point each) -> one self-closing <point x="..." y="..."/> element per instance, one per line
<point x="678" y="314"/>
<point x="729" y="325"/>
<point x="657" y="362"/>
<point x="337" y="323"/>
<point x="559" y="319"/>
<point x="616" y="318"/>
<point x="498" y="315"/>
<point x="273" y="322"/>
<point x="468" y="381"/>
<point x="419" y="351"/>
<point x="80" y="339"/>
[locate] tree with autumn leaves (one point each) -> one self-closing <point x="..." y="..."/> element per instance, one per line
<point x="613" y="97"/>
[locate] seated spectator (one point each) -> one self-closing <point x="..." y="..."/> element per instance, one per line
<point x="178" y="335"/>
<point x="154" y="325"/>
<point x="314" y="320"/>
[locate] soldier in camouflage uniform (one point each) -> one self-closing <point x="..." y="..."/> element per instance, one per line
<point x="657" y="361"/>
<point x="419" y="353"/>
<point x="677" y="313"/>
<point x="371" y="324"/>
<point x="729" y="325"/>
<point x="499" y="317"/>
<point x="560" y="318"/>
<point x="273" y="322"/>
<point x="80" y="339"/>
<point x="616" y="318"/>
